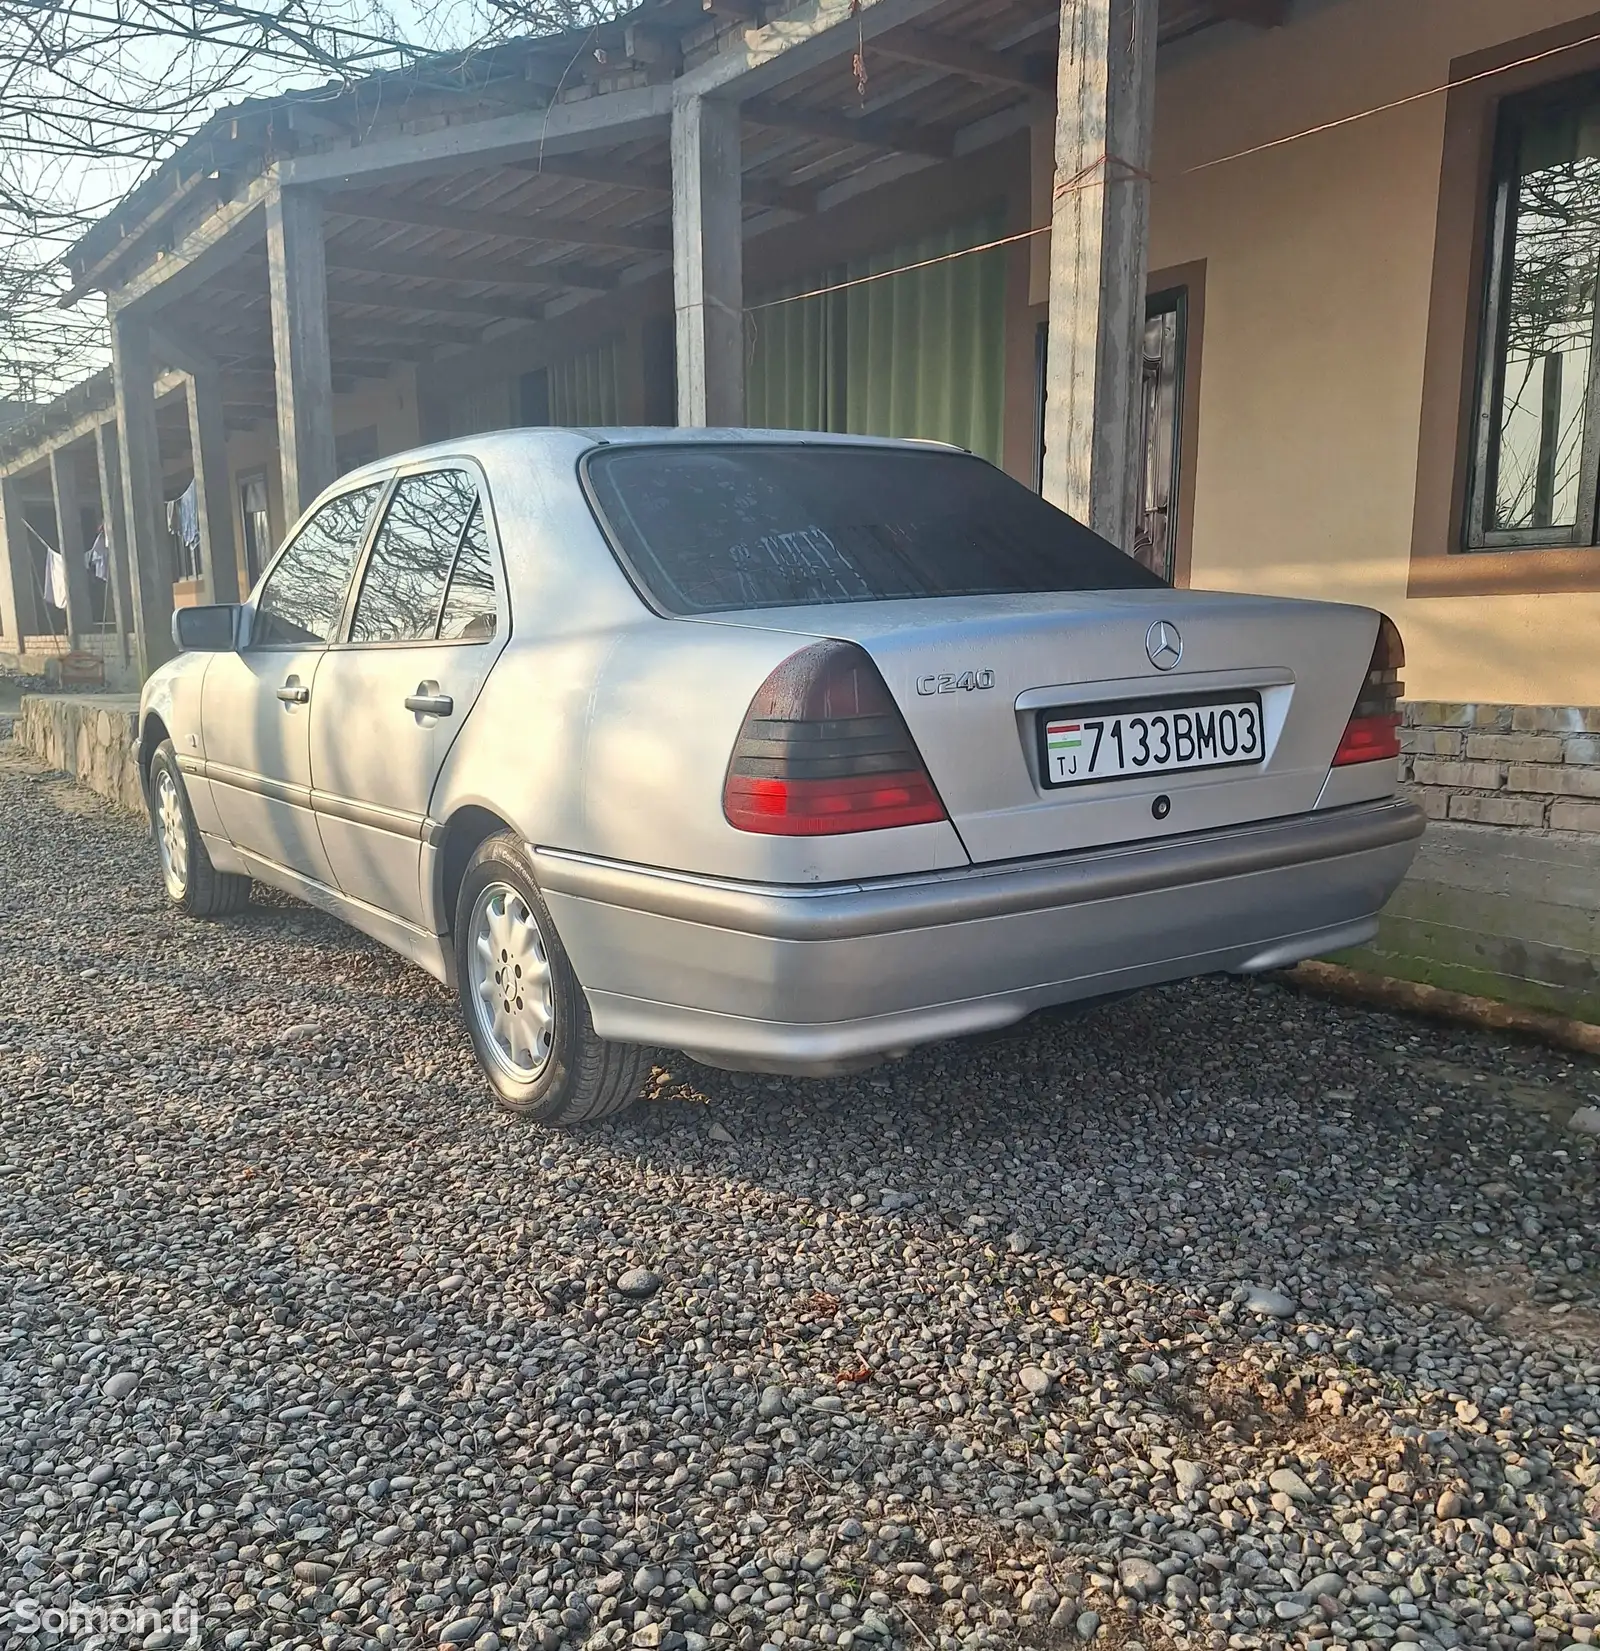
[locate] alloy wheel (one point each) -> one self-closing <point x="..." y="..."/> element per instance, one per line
<point x="172" y="835"/>
<point x="511" y="986"/>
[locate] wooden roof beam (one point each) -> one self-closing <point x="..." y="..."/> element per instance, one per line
<point x="501" y="225"/>
<point x="414" y="341"/>
<point x="657" y="180"/>
<point x="937" y="51"/>
<point x="1259" y="14"/>
<point x="345" y="295"/>
<point x="251" y="368"/>
<point x="217" y="330"/>
<point x="867" y="131"/>
<point x="468" y="271"/>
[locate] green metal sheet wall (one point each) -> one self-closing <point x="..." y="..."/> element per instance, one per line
<point x="916" y="354"/>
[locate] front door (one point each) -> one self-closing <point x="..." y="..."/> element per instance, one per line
<point x="256" y="704"/>
<point x="427" y="624"/>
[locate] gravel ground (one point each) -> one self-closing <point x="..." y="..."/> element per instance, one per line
<point x="1228" y="1317"/>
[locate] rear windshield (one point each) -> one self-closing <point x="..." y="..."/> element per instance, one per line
<point x="713" y="527"/>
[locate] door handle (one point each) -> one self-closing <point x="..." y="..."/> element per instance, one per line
<point x="294" y="692"/>
<point x="427" y="701"/>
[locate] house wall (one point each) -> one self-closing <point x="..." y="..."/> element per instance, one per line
<point x="1318" y="260"/>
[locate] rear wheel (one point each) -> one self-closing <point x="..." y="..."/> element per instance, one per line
<point x="525" y="1011"/>
<point x="193" y="883"/>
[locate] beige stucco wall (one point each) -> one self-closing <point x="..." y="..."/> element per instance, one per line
<point x="1318" y="268"/>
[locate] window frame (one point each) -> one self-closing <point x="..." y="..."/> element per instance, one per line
<point x="497" y="570"/>
<point x="1442" y="563"/>
<point x="384" y="484"/>
<point x="1499" y="252"/>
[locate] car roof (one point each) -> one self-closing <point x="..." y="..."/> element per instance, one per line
<point x="569" y="443"/>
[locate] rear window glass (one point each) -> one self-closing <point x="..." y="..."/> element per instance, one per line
<point x="710" y="528"/>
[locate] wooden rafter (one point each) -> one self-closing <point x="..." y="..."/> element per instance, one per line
<point x="657" y="180"/>
<point x="502" y="225"/>
<point x="368" y="335"/>
<point x="470" y="271"/>
<point x="937" y="51"/>
<point x="1260" y="14"/>
<point x="349" y="295"/>
<point x="346" y="368"/>
<point x="868" y="130"/>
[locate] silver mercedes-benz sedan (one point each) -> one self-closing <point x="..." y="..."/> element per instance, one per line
<point x="792" y="752"/>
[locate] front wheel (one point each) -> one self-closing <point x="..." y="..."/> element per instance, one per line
<point x="525" y="1011"/>
<point x="194" y="885"/>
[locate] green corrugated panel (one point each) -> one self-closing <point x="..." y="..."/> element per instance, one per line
<point x="787" y="381"/>
<point x="918" y="354"/>
<point x="587" y="388"/>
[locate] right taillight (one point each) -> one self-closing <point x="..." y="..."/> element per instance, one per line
<point x="823" y="749"/>
<point x="1373" y="732"/>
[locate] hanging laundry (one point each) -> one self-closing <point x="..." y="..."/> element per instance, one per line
<point x="55" y="579"/>
<point x="99" y="551"/>
<point x="188" y="522"/>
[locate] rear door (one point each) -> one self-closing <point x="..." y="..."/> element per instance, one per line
<point x="429" y="619"/>
<point x="256" y="704"/>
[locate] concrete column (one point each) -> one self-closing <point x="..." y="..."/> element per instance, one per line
<point x="208" y="444"/>
<point x="149" y="568"/>
<point x="298" y="275"/>
<point x="69" y="541"/>
<point x="1099" y="258"/>
<point x="708" y="261"/>
<point x="109" y="455"/>
<point x="19" y="601"/>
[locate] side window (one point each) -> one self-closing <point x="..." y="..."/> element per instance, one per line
<point x="469" y="610"/>
<point x="304" y="596"/>
<point x="412" y="554"/>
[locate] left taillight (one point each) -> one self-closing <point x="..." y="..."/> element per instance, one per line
<point x="1373" y="732"/>
<point x="823" y="749"/>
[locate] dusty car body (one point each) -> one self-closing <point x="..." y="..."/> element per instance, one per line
<point x="788" y="835"/>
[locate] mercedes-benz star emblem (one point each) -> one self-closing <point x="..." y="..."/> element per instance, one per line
<point x="1163" y="644"/>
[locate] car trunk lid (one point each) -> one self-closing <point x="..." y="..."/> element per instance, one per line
<point x="973" y="676"/>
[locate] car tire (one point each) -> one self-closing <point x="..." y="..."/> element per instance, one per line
<point x="525" y="1011"/>
<point x="193" y="884"/>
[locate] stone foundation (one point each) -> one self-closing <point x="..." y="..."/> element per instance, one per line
<point x="1531" y="767"/>
<point x="1504" y="898"/>
<point x="89" y="736"/>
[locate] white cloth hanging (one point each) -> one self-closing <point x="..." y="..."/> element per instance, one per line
<point x="55" y="579"/>
<point x="98" y="553"/>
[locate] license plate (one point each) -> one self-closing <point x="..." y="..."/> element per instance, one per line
<point x="1117" y="742"/>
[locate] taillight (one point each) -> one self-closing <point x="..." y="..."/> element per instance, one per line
<point x="824" y="749"/>
<point x="1373" y="732"/>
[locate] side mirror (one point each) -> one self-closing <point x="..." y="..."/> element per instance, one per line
<point x="212" y="630"/>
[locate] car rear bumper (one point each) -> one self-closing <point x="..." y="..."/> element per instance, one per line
<point x="798" y="978"/>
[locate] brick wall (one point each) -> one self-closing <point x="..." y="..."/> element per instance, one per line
<point x="1503" y="900"/>
<point x="1536" y="767"/>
